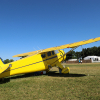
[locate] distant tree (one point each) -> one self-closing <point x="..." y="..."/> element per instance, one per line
<point x="74" y="55"/>
<point x="69" y="56"/>
<point x="6" y="61"/>
<point x="99" y="51"/>
<point x="93" y="51"/>
<point x="23" y="56"/>
<point x="11" y="60"/>
<point x="78" y="55"/>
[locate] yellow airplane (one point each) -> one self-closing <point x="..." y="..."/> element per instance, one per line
<point x="40" y="60"/>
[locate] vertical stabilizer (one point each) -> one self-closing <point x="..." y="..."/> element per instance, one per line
<point x="1" y="61"/>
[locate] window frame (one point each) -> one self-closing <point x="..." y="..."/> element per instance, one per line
<point x="48" y="53"/>
<point x="53" y="53"/>
<point x="43" y="55"/>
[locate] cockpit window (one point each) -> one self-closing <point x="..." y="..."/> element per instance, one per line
<point x="43" y="55"/>
<point x="49" y="53"/>
<point x="56" y="51"/>
<point x="53" y="53"/>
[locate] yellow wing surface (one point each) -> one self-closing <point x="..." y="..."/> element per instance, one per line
<point x="72" y="45"/>
<point x="27" y="54"/>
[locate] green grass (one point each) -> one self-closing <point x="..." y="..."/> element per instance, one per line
<point x="83" y="83"/>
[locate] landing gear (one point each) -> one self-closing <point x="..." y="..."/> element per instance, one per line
<point x="63" y="69"/>
<point x="60" y="70"/>
<point x="66" y="70"/>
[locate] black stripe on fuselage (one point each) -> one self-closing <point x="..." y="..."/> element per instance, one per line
<point x="33" y="63"/>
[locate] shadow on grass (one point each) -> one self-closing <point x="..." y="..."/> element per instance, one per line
<point x="53" y="74"/>
<point x="22" y="76"/>
<point x="5" y="80"/>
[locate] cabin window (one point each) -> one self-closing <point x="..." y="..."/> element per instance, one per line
<point x="49" y="53"/>
<point x="43" y="55"/>
<point x="56" y="51"/>
<point x="53" y="53"/>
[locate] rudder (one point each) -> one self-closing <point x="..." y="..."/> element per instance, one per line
<point x="1" y="61"/>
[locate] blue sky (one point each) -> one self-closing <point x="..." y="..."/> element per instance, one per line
<point x="29" y="24"/>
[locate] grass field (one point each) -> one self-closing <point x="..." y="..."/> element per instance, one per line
<point x="83" y="83"/>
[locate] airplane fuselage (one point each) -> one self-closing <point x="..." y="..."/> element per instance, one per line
<point x="34" y="63"/>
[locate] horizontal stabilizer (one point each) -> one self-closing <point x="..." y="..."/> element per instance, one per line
<point x="4" y="68"/>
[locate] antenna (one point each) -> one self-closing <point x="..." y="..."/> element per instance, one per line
<point x="34" y="49"/>
<point x="38" y="47"/>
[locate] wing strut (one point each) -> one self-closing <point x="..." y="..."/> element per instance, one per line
<point x="71" y="50"/>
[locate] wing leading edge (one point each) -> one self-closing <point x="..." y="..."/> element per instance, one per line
<point x="72" y="45"/>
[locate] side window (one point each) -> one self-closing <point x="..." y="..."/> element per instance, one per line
<point x="43" y="55"/>
<point x="56" y="51"/>
<point x="53" y="53"/>
<point x="49" y="53"/>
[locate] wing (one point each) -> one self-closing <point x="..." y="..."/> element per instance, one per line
<point x="72" y="45"/>
<point x="27" y="54"/>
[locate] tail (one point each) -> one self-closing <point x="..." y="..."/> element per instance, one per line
<point x="1" y="61"/>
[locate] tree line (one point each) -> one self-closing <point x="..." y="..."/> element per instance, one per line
<point x="8" y="61"/>
<point x="11" y="60"/>
<point x="93" y="51"/>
